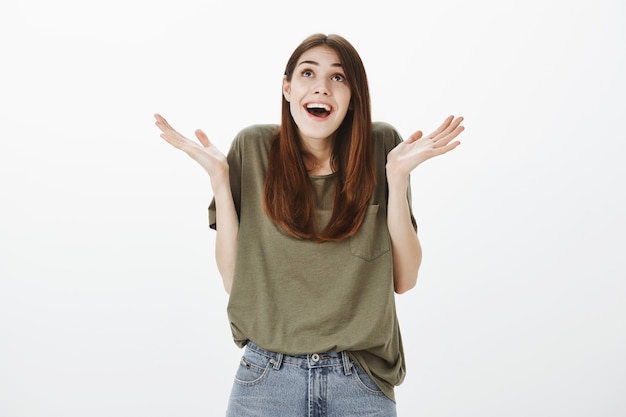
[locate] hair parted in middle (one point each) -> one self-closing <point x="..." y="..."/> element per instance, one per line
<point x="289" y="196"/>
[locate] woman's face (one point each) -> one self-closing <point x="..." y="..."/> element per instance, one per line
<point x="318" y="93"/>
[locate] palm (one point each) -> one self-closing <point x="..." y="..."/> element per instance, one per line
<point x="205" y="153"/>
<point x="416" y="149"/>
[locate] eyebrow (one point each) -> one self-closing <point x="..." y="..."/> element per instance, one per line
<point x="337" y="64"/>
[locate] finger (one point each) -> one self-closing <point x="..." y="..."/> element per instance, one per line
<point x="442" y="127"/>
<point x="453" y="125"/>
<point x="449" y="147"/>
<point x="415" y="136"/>
<point x="446" y="138"/>
<point x="202" y="137"/>
<point x="452" y="129"/>
<point x="159" y="119"/>
<point x="445" y="149"/>
<point x="180" y="142"/>
<point x="171" y="140"/>
<point x="173" y="136"/>
<point x="162" y="123"/>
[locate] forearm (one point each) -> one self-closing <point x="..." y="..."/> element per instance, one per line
<point x="227" y="230"/>
<point x="405" y="245"/>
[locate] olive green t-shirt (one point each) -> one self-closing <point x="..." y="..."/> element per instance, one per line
<point x="298" y="297"/>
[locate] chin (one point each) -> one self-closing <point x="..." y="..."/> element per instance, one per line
<point x="317" y="130"/>
<point x="318" y="134"/>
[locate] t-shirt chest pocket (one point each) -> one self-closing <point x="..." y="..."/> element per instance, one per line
<point x="372" y="239"/>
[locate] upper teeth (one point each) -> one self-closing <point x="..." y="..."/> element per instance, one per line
<point x="318" y="106"/>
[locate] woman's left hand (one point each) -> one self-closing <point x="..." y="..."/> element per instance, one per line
<point x="405" y="157"/>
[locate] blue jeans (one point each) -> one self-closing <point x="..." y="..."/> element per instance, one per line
<point x="329" y="384"/>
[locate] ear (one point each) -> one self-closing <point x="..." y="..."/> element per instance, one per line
<point x="286" y="89"/>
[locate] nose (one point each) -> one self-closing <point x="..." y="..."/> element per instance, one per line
<point x="321" y="87"/>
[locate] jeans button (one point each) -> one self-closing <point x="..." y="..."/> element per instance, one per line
<point x="315" y="357"/>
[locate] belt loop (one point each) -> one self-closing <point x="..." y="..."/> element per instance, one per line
<point x="347" y="366"/>
<point x="278" y="361"/>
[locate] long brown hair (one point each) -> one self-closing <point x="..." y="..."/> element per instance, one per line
<point x="289" y="192"/>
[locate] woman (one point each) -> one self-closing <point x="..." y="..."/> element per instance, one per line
<point x="314" y="234"/>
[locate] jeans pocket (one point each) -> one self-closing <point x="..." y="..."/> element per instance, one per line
<point x="364" y="381"/>
<point x="253" y="368"/>
<point x="372" y="239"/>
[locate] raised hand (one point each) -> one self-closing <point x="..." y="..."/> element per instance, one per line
<point x="205" y="153"/>
<point x="405" y="157"/>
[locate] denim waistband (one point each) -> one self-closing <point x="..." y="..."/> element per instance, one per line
<point x="312" y="360"/>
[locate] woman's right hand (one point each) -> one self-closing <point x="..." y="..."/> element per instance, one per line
<point x="226" y="218"/>
<point x="207" y="155"/>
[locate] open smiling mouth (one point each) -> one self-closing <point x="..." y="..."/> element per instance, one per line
<point x="318" y="109"/>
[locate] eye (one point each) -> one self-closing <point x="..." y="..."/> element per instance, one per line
<point x="307" y="73"/>
<point x="338" y="77"/>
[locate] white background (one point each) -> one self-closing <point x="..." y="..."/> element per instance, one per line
<point x="110" y="302"/>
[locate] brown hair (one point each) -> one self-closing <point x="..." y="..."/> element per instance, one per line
<point x="289" y="194"/>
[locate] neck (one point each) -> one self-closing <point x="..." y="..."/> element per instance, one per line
<point x="320" y="151"/>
